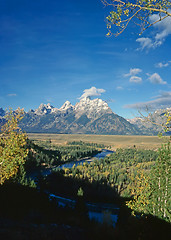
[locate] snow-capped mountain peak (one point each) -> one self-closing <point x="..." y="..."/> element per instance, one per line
<point x="45" y="109"/>
<point x="67" y="105"/>
<point x="91" y="107"/>
<point x="89" y="116"/>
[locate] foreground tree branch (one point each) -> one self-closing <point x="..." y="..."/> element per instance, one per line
<point x="139" y="11"/>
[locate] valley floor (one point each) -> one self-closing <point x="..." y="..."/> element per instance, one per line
<point x="115" y="141"/>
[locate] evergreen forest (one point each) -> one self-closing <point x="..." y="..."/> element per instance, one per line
<point x="127" y="177"/>
<point x="135" y="183"/>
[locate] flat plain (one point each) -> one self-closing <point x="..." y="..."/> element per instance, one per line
<point x="115" y="141"/>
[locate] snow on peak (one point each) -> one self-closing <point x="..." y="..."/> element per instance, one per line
<point x="85" y="99"/>
<point x="44" y="109"/>
<point x="66" y="106"/>
<point x="86" y="105"/>
<point x="92" y="104"/>
<point x="91" y="107"/>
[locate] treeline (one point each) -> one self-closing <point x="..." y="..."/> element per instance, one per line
<point x="142" y="176"/>
<point x="43" y="155"/>
<point x="81" y="143"/>
<point x="116" y="170"/>
<point x="46" y="154"/>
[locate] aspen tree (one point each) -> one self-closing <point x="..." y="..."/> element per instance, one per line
<point x="139" y="11"/>
<point x="12" y="145"/>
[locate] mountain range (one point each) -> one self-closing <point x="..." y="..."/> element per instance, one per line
<point x="153" y="123"/>
<point x="85" y="117"/>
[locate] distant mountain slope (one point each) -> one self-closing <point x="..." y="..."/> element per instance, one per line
<point x="2" y="119"/>
<point x="87" y="116"/>
<point x="154" y="125"/>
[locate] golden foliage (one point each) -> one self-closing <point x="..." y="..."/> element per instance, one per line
<point x="12" y="145"/>
<point x="139" y="11"/>
<point x="140" y="190"/>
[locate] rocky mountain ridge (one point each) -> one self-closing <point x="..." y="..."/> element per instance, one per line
<point x="85" y="105"/>
<point x="88" y="116"/>
<point x="153" y="123"/>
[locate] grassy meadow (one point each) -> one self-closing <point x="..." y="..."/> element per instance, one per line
<point x="115" y="141"/>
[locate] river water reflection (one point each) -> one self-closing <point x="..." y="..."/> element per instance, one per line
<point x="47" y="171"/>
<point x="100" y="155"/>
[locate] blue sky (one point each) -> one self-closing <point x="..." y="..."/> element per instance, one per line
<point x="53" y="51"/>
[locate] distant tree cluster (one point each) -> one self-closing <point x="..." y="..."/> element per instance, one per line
<point x="43" y="153"/>
<point x="115" y="170"/>
<point x="96" y="145"/>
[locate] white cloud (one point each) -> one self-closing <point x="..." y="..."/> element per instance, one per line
<point x="135" y="79"/>
<point x="156" y="79"/>
<point x="159" y="102"/>
<point x="133" y="72"/>
<point x="162" y="65"/>
<point x="93" y="91"/>
<point x="163" y="29"/>
<point x="144" y="43"/>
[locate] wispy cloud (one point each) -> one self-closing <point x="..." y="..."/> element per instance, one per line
<point x="156" y="79"/>
<point x="11" y="95"/>
<point x="145" y="43"/>
<point x="135" y="79"/>
<point x="163" y="29"/>
<point x="93" y="91"/>
<point x="133" y="72"/>
<point x="162" y="65"/>
<point x="159" y="102"/>
<point x="119" y="88"/>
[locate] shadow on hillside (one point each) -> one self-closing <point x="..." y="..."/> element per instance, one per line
<point x="26" y="213"/>
<point x="96" y="191"/>
<point x="127" y="227"/>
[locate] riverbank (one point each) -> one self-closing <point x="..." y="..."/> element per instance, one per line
<point x="101" y="155"/>
<point x="45" y="171"/>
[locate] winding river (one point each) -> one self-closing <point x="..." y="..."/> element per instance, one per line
<point x="99" y="212"/>
<point x="100" y="155"/>
<point x="88" y="160"/>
